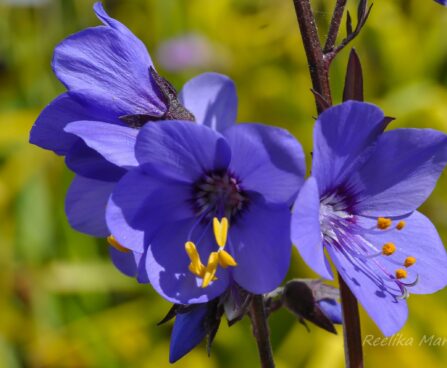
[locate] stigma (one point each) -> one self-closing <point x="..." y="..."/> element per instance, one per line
<point x="115" y="244"/>
<point x="218" y="258"/>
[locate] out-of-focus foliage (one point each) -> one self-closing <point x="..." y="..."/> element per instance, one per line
<point x="62" y="304"/>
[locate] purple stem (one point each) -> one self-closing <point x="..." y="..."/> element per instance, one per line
<point x="261" y="331"/>
<point x="318" y="67"/>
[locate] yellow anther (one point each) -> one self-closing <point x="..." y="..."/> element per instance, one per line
<point x="191" y="250"/>
<point x="196" y="266"/>
<point x="114" y="243"/>
<point x="220" y="230"/>
<point x="211" y="269"/>
<point x="401" y="273"/>
<point x="400" y="225"/>
<point x="409" y="261"/>
<point x="226" y="259"/>
<point x="383" y="223"/>
<point x="197" y="269"/>
<point x="388" y="249"/>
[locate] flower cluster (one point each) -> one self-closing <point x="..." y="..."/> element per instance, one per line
<point x="206" y="210"/>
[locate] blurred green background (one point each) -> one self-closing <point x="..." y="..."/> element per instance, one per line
<point x="62" y="304"/>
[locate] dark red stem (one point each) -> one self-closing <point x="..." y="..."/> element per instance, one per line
<point x="319" y="61"/>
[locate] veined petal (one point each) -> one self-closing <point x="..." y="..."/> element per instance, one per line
<point x="107" y="20"/>
<point x="401" y="173"/>
<point x="140" y="204"/>
<point x="418" y="239"/>
<point x="387" y="311"/>
<point x="342" y="135"/>
<point x="181" y="149"/>
<point x="267" y="160"/>
<point x="48" y="130"/>
<point x="109" y="66"/>
<point x="259" y="241"/>
<point x="114" y="142"/>
<point x="167" y="264"/>
<point x="85" y="205"/>
<point x="86" y="162"/>
<point x="189" y="330"/>
<point x="212" y="98"/>
<point x="306" y="231"/>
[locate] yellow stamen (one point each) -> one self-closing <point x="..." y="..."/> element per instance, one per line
<point x="400" y="225"/>
<point x="383" y="223"/>
<point x="197" y="269"/>
<point x="388" y="249"/>
<point x="401" y="273"/>
<point x="409" y="261"/>
<point x="220" y="230"/>
<point x="196" y="266"/>
<point x="211" y="269"/>
<point x="226" y="259"/>
<point x="191" y="250"/>
<point x="114" y="243"/>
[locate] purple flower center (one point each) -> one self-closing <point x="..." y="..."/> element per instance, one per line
<point x="219" y="194"/>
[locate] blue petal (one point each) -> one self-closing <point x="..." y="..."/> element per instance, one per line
<point x="267" y="160"/>
<point x="442" y="2"/>
<point x="48" y="130"/>
<point x="108" y="67"/>
<point x="259" y="241"/>
<point x="418" y="239"/>
<point x="379" y="301"/>
<point x="306" y="231"/>
<point x="189" y="330"/>
<point x="85" y="205"/>
<point x="212" y="98"/>
<point x="342" y="134"/>
<point x="167" y="264"/>
<point x="114" y="142"/>
<point x="140" y="204"/>
<point x="126" y="262"/>
<point x="183" y="150"/>
<point x="332" y="309"/>
<point x="401" y="173"/>
<point x="86" y="162"/>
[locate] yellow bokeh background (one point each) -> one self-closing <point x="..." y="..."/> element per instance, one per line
<point x="62" y="303"/>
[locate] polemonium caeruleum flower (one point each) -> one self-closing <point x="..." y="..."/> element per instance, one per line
<point x="203" y="212"/>
<point x="213" y="101"/>
<point x="106" y="72"/>
<point x="360" y="206"/>
<point x="110" y="79"/>
<point x="442" y="2"/>
<point x="208" y="209"/>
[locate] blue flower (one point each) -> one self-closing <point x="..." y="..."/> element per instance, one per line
<point x="112" y="86"/>
<point x="360" y="206"/>
<point x="205" y="208"/>
<point x="442" y="2"/>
